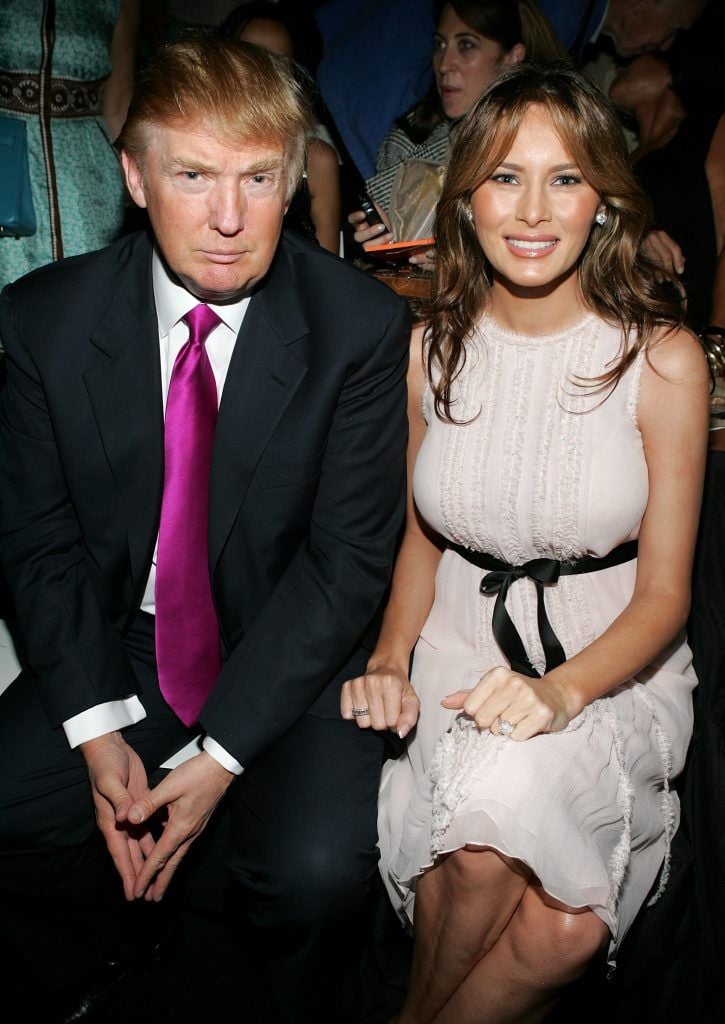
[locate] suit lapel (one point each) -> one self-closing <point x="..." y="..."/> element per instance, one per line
<point x="265" y="371"/>
<point x="125" y="392"/>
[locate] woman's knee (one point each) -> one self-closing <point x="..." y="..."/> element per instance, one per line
<point x="557" y="942"/>
<point x="475" y="871"/>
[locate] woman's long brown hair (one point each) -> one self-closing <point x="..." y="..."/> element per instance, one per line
<point x="617" y="280"/>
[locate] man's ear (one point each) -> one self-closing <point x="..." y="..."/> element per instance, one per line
<point x="134" y="178"/>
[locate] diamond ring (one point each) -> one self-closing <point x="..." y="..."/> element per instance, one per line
<point x="360" y="712"/>
<point x="505" y="727"/>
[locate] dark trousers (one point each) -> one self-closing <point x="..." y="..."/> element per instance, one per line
<point x="302" y="852"/>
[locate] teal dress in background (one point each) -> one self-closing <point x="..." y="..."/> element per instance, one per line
<point x="54" y="56"/>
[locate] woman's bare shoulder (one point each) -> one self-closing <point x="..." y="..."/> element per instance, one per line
<point x="676" y="355"/>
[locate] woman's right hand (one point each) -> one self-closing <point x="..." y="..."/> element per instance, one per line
<point x="386" y="694"/>
<point x="365" y="234"/>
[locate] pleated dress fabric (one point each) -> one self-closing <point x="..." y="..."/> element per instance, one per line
<point x="538" y="465"/>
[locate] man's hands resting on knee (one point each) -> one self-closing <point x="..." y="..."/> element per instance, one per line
<point x="187" y="798"/>
<point x="118" y="778"/>
<point x="126" y="811"/>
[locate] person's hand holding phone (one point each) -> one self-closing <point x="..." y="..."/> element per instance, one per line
<point x="370" y="222"/>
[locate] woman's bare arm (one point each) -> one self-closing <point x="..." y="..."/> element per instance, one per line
<point x="323" y="183"/>
<point x="385" y="688"/>
<point x="118" y="86"/>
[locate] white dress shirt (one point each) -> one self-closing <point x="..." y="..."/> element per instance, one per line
<point x="173" y="302"/>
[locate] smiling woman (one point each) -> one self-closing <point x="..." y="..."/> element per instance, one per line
<point x="571" y="168"/>
<point x="534" y="214"/>
<point x="542" y="583"/>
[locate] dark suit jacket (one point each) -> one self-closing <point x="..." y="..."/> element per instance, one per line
<point x="306" y="494"/>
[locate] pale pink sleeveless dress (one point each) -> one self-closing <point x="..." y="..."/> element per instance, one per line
<point x="538" y="467"/>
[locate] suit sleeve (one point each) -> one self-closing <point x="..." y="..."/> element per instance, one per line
<point x="74" y="652"/>
<point x="332" y="587"/>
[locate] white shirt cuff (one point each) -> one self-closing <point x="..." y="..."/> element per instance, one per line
<point x="189" y="750"/>
<point x="219" y="754"/>
<point x="97" y="721"/>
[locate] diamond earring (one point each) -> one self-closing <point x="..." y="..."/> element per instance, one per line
<point x="601" y="218"/>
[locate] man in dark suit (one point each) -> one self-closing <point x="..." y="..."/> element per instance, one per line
<point x="192" y="578"/>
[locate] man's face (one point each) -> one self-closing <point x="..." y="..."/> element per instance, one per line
<point x="216" y="210"/>
<point x="641" y="26"/>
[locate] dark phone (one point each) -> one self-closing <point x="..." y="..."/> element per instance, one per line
<point x="368" y="208"/>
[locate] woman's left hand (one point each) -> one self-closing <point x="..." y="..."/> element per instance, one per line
<point x="531" y="705"/>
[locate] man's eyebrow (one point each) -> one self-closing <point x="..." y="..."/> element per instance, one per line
<point x="182" y="163"/>
<point x="271" y="164"/>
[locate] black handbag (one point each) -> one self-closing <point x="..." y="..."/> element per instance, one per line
<point x="17" y="216"/>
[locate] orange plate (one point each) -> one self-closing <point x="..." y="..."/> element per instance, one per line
<point x="400" y="250"/>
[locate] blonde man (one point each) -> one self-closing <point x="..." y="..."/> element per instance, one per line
<point x="200" y="572"/>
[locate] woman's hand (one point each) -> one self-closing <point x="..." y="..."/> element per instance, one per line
<point x="386" y="694"/>
<point x="366" y="234"/>
<point x="531" y="705"/>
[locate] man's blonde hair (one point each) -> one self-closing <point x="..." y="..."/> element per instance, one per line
<point x="237" y="91"/>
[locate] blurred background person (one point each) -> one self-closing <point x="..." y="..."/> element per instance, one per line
<point x="66" y="69"/>
<point x="680" y="163"/>
<point x="315" y="208"/>
<point x="675" y="103"/>
<point x="628" y="26"/>
<point x="375" y="65"/>
<point x="475" y="40"/>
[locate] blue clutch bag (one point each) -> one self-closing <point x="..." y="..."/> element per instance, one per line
<point x="17" y="216"/>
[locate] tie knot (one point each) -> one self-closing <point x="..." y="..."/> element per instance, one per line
<point x="201" y="320"/>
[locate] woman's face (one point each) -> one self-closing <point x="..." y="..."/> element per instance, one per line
<point x="534" y="214"/>
<point x="465" y="63"/>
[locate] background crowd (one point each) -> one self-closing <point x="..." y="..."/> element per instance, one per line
<point x="391" y="81"/>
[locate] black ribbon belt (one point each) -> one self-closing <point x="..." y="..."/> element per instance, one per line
<point x="544" y="572"/>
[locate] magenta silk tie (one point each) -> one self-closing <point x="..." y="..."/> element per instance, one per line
<point x="187" y="631"/>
